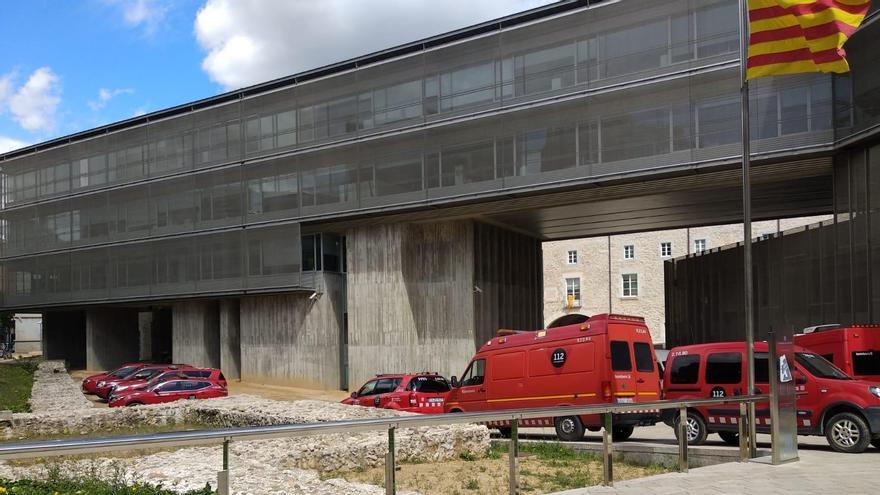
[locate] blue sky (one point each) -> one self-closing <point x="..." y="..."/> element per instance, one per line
<point x="68" y="66"/>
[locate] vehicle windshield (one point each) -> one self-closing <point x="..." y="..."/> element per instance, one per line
<point x="122" y="372"/>
<point x="819" y="366"/>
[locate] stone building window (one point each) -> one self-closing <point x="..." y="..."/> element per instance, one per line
<point x="630" y="287"/>
<point x="572" y="257"/>
<point x="629" y="252"/>
<point x="699" y="245"/>
<point x="665" y="249"/>
<point x="573" y="290"/>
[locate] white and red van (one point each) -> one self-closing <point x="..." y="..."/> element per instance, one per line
<point x="855" y="349"/>
<point x="605" y="359"/>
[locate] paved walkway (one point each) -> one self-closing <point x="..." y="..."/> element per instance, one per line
<point x="820" y="471"/>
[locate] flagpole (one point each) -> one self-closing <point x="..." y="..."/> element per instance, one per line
<point x="748" y="282"/>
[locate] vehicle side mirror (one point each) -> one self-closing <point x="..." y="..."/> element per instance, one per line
<point x="354" y="395"/>
<point x="454" y="382"/>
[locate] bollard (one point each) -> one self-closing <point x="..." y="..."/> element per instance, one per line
<point x="743" y="433"/>
<point x="513" y="480"/>
<point x="607" y="451"/>
<point x="390" y="488"/>
<point x="682" y="440"/>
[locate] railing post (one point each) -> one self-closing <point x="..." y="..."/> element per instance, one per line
<point x="607" y="451"/>
<point x="743" y="433"/>
<point x="682" y="440"/>
<point x="513" y="479"/>
<point x="390" y="488"/>
<point x="223" y="476"/>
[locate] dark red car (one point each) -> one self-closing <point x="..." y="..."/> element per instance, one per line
<point x="211" y="374"/>
<point x="170" y="391"/>
<point x="143" y="373"/>
<point x="417" y="392"/>
<point x="90" y="383"/>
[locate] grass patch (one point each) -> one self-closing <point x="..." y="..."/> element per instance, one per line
<point x="16" y="382"/>
<point x="88" y="483"/>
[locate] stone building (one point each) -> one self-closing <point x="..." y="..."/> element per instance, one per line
<point x="624" y="273"/>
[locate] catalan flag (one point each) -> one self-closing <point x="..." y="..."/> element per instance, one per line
<point x="794" y="36"/>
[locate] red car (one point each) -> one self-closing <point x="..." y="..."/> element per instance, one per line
<point x="829" y="402"/>
<point x="170" y="391"/>
<point x="143" y="373"/>
<point x="90" y="383"/>
<point x="855" y="348"/>
<point x="211" y="374"/>
<point x="418" y="392"/>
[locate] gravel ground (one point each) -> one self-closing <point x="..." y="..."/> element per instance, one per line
<point x="288" y="466"/>
<point x="54" y="390"/>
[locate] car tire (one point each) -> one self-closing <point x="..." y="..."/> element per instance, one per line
<point x="569" y="428"/>
<point x="505" y="432"/>
<point x="134" y="403"/>
<point x="621" y="433"/>
<point x="696" y="429"/>
<point x="847" y="432"/>
<point x="729" y="437"/>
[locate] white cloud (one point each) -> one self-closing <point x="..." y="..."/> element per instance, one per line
<point x="34" y="104"/>
<point x="9" y="144"/>
<point x="144" y="14"/>
<point x="105" y="95"/>
<point x="250" y="41"/>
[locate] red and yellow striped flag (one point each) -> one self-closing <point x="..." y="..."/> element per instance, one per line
<point x="794" y="36"/>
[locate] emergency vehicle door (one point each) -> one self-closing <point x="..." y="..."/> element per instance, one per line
<point x="623" y="380"/>
<point x="472" y="387"/>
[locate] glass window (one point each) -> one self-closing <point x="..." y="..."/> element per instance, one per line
<point x="386" y="385"/>
<point x="467" y="86"/>
<point x="630" y="285"/>
<point x="467" y="164"/>
<point x="429" y="384"/>
<point x="764" y="117"/>
<point x="399" y="102"/>
<point x="794" y="110"/>
<point x="718" y="124"/>
<point x="724" y="368"/>
<point x="685" y="369"/>
<point x="397" y="176"/>
<point x="475" y="374"/>
<point x="638" y="48"/>
<point x="644" y="354"/>
<point x="819" y="367"/>
<point x="368" y="388"/>
<point x="573" y="289"/>
<point x="762" y="368"/>
<point x="634" y="135"/>
<point x="572" y="257"/>
<point x="699" y="245"/>
<point x="545" y="70"/>
<point x="866" y="363"/>
<point x="665" y="249"/>
<point x="621" y="360"/>
<point x="543" y="150"/>
<point x="629" y="252"/>
<point x="820" y="105"/>
<point x="588" y="142"/>
<point x="718" y="30"/>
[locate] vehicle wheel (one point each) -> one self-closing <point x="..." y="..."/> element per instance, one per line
<point x="569" y="428"/>
<point x="135" y="403"/>
<point x="505" y="432"/>
<point x="695" y="428"/>
<point x="621" y="433"/>
<point x="847" y="432"/>
<point x="729" y="437"/>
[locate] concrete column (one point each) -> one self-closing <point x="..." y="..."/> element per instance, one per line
<point x="230" y="338"/>
<point x="112" y="338"/>
<point x="294" y="338"/>
<point x="64" y="337"/>
<point x="145" y="329"/>
<point x="410" y="298"/>
<point x="196" y="333"/>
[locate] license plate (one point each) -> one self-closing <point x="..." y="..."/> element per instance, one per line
<point x="435" y="399"/>
<point x="624" y="400"/>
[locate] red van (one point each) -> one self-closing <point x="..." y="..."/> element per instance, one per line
<point x="829" y="402"/>
<point x="855" y="349"/>
<point x="608" y="358"/>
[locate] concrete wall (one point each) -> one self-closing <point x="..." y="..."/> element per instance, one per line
<point x="294" y="339"/>
<point x="112" y="338"/>
<point x="64" y="337"/>
<point x="410" y="298"/>
<point x="196" y="333"/>
<point x="230" y="338"/>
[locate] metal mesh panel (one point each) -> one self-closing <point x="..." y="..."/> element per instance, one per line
<point x="127" y="155"/>
<point x="174" y="205"/>
<point x="176" y="266"/>
<point x="219" y="198"/>
<point x="220" y="262"/>
<point x="129" y="213"/>
<point x="272" y="190"/>
<point x="274" y="256"/>
<point x="217" y="135"/>
<point x="170" y="146"/>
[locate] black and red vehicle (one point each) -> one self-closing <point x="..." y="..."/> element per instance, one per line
<point x="210" y="374"/>
<point x="855" y="348"/>
<point x="170" y="391"/>
<point x="90" y="383"/>
<point x="413" y="392"/>
<point x="143" y="373"/>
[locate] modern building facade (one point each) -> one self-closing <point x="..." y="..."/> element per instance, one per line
<point x="625" y="273"/>
<point x="386" y="213"/>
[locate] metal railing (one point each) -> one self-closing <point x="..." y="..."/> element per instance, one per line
<point x="514" y="416"/>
